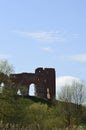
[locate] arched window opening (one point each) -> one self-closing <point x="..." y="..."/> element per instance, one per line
<point x="2" y="84"/>
<point x="1" y="87"/>
<point x="18" y="92"/>
<point x="32" y="90"/>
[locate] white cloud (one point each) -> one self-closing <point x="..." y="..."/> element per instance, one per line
<point x="50" y="36"/>
<point x="4" y="56"/>
<point x="76" y="57"/>
<point x="68" y="81"/>
<point x="47" y="49"/>
<point x="65" y="80"/>
<point x="79" y="57"/>
<point x="44" y="36"/>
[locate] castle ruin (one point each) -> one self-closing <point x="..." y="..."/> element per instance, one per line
<point x="43" y="80"/>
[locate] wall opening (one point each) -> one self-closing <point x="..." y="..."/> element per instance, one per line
<point x="1" y="87"/>
<point x="32" y="90"/>
<point x="19" y="92"/>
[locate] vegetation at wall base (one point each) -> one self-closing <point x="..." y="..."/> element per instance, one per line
<point x="20" y="112"/>
<point x="28" y="112"/>
<point x="38" y="99"/>
<point x="31" y="112"/>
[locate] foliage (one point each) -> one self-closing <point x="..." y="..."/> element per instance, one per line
<point x="74" y="93"/>
<point x="5" y="67"/>
<point x="21" y="112"/>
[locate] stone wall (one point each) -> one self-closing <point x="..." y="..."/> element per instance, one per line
<point x="43" y="80"/>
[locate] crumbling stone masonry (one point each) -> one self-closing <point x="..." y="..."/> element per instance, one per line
<point x="43" y="80"/>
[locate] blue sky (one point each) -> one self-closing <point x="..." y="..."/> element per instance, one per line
<point x="44" y="33"/>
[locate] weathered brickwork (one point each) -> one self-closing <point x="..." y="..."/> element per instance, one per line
<point x="43" y="80"/>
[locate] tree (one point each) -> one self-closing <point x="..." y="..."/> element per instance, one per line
<point x="38" y="113"/>
<point x="13" y="109"/>
<point x="5" y="67"/>
<point x="55" y="117"/>
<point x="5" y="70"/>
<point x="74" y="93"/>
<point x="73" y="96"/>
<point x="78" y="93"/>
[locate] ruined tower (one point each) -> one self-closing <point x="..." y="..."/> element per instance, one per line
<point x="43" y="80"/>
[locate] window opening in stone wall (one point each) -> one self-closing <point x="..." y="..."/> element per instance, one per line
<point x="32" y="90"/>
<point x="19" y="92"/>
<point x="1" y="87"/>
